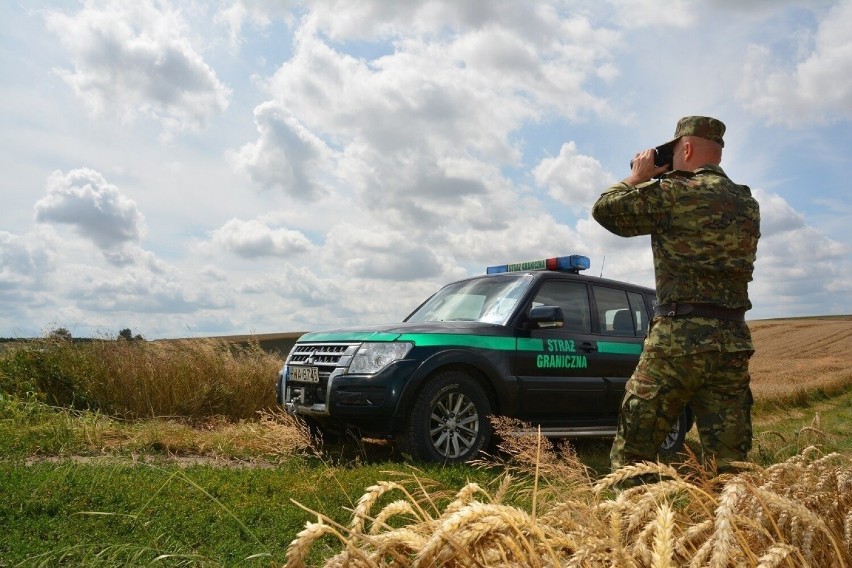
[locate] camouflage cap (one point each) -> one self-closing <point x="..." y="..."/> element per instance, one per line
<point x="702" y="126"/>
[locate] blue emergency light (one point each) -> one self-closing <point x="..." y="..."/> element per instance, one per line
<point x="574" y="263"/>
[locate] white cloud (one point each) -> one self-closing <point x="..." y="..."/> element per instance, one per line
<point x="798" y="268"/>
<point x="235" y="16"/>
<point x="287" y="155"/>
<point x="133" y="57"/>
<point x="462" y="92"/>
<point x="23" y="263"/>
<point x="572" y="178"/>
<point x="776" y="215"/>
<point x="816" y="87"/>
<point x="254" y="239"/>
<point x="95" y="209"/>
<point x="424" y="130"/>
<point x="656" y="13"/>
<point x="49" y="280"/>
<point x="527" y="235"/>
<point x="368" y="251"/>
<point x="138" y="290"/>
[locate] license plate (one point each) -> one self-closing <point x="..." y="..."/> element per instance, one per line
<point x="304" y="374"/>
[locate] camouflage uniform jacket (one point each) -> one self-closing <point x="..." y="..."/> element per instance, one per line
<point x="704" y="230"/>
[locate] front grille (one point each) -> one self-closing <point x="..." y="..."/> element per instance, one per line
<point x="328" y="358"/>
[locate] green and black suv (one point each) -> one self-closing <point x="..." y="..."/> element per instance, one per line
<point x="537" y="341"/>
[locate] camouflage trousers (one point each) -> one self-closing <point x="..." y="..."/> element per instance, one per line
<point x="714" y="384"/>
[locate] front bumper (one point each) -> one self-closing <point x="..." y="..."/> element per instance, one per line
<point x="366" y="402"/>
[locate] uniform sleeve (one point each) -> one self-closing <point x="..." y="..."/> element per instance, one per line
<point x="630" y="210"/>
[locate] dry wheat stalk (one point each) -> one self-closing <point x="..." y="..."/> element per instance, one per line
<point x="702" y="555"/>
<point x="688" y="542"/>
<point x="298" y="549"/>
<point x="723" y="535"/>
<point x="503" y="488"/>
<point x="630" y="471"/>
<point x="399" y="507"/>
<point x="649" y="497"/>
<point x="446" y="539"/>
<point x="340" y="560"/>
<point x="758" y="517"/>
<point x="615" y="525"/>
<point x="589" y="549"/>
<point x="642" y="543"/>
<point x="568" y="516"/>
<point x="775" y="555"/>
<point x="365" y="503"/>
<point x="641" y="509"/>
<point x="465" y="496"/>
<point x="353" y="556"/>
<point x="558" y="540"/>
<point x="663" y="549"/>
<point x="847" y="531"/>
<point x="802" y="519"/>
<point x="401" y="542"/>
<point x="807" y="545"/>
<point x="801" y="516"/>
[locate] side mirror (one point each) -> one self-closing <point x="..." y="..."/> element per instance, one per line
<point x="546" y="316"/>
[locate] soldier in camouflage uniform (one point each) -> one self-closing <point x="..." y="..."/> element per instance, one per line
<point x="704" y="230"/>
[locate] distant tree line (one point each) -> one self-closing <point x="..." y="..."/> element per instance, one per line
<point x="63" y="334"/>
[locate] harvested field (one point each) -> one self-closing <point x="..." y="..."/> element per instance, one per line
<point x="793" y="356"/>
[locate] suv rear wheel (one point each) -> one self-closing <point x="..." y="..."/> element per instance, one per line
<point x="677" y="435"/>
<point x="448" y="421"/>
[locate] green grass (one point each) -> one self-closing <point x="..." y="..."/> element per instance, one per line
<point x="121" y="513"/>
<point x="823" y="420"/>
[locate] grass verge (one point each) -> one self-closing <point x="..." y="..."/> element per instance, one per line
<point x="121" y="513"/>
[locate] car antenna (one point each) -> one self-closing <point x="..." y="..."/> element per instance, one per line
<point x="602" y="265"/>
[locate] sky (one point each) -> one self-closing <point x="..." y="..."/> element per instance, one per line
<point x="191" y="169"/>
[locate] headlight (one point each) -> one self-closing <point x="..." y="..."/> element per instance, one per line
<point x="373" y="357"/>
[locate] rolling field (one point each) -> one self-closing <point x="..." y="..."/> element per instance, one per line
<point x="793" y="356"/>
<point x="85" y="488"/>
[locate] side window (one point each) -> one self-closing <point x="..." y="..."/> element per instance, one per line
<point x="640" y="313"/>
<point x="572" y="298"/>
<point x="614" y="313"/>
<point x="650" y="301"/>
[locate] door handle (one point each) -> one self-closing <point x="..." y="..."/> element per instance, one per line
<point x="588" y="346"/>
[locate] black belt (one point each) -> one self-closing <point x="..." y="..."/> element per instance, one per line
<point x="699" y="310"/>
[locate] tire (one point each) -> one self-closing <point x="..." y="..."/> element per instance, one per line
<point x="448" y="421"/>
<point x="674" y="440"/>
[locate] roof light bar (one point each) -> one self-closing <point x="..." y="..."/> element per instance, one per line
<point x="572" y="263"/>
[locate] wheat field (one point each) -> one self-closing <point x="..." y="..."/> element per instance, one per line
<point x="546" y="509"/>
<point x="798" y="355"/>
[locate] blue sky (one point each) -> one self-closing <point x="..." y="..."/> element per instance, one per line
<point x="206" y="168"/>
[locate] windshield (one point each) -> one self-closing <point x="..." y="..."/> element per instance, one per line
<point x="488" y="299"/>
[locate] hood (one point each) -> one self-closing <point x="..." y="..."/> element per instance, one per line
<point x="392" y="332"/>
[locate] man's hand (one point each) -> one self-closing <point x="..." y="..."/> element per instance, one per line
<point x="643" y="168"/>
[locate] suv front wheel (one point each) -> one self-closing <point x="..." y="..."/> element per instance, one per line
<point x="448" y="421"/>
